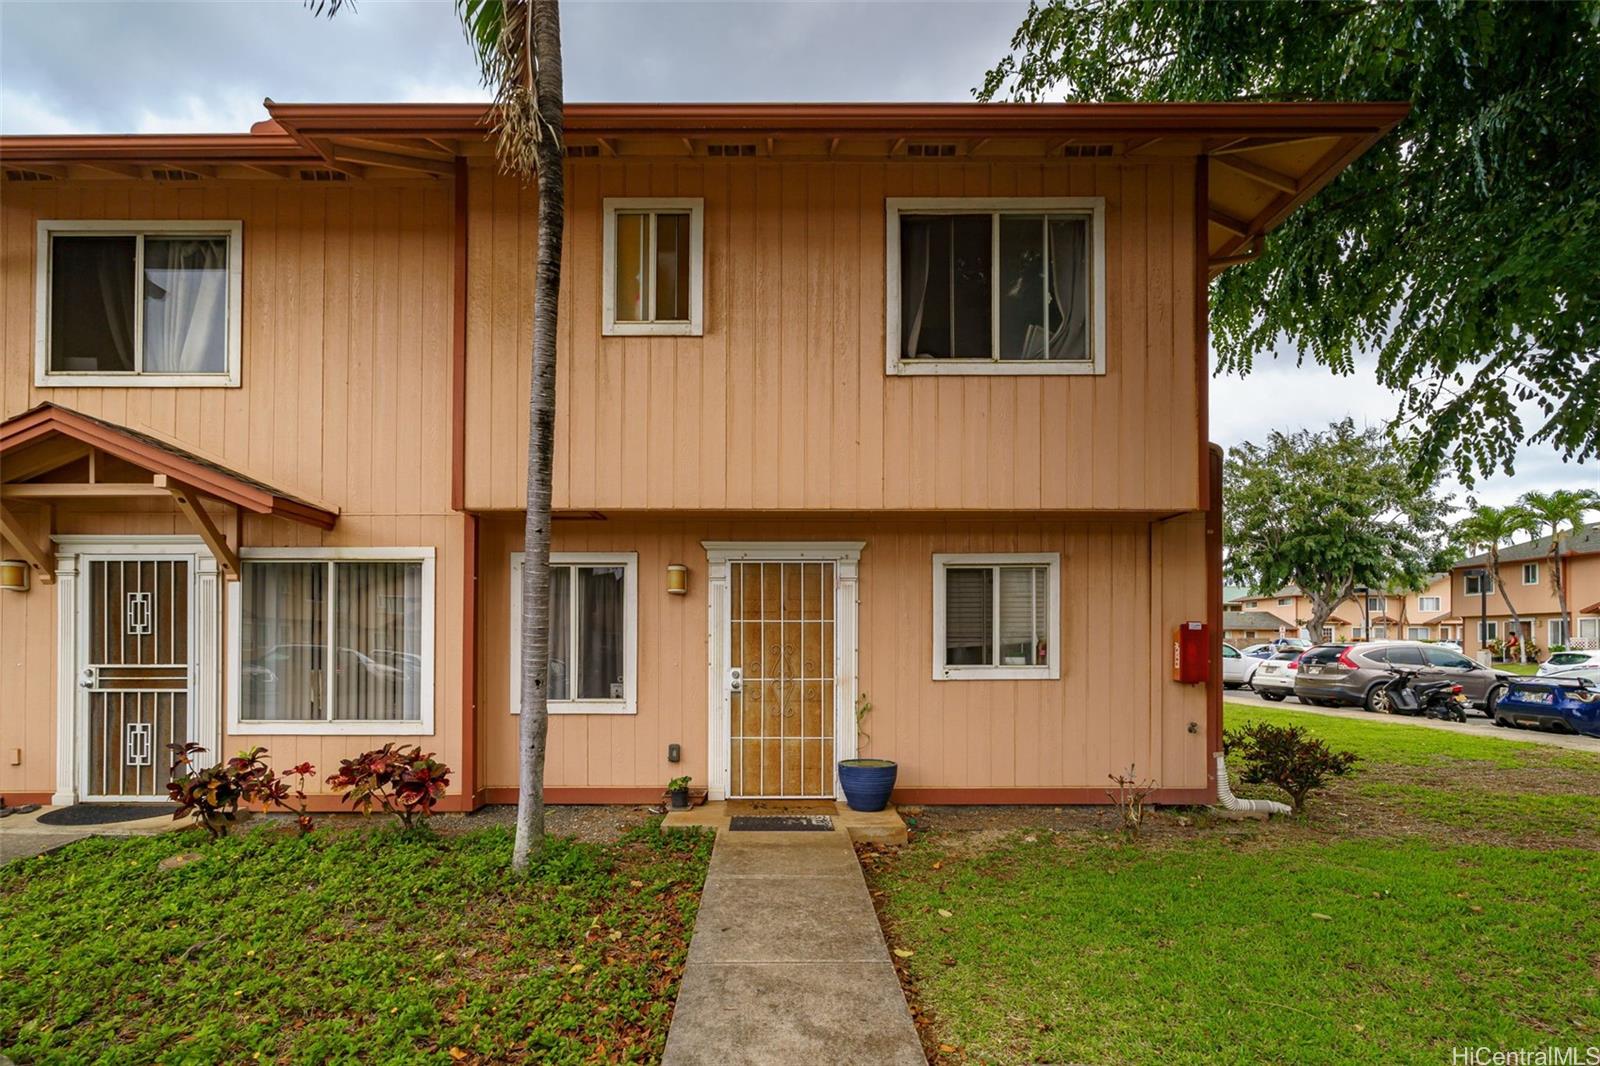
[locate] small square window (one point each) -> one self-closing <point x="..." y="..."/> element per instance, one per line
<point x="653" y="267"/>
<point x="1530" y="573"/>
<point x="138" y="303"/>
<point x="996" y="616"/>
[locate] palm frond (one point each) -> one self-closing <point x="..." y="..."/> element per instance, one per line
<point x="502" y="35"/>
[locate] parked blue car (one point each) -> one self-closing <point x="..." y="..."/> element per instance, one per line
<point x="1570" y="705"/>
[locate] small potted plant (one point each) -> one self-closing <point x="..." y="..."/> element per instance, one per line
<point x="867" y="783"/>
<point x="678" y="793"/>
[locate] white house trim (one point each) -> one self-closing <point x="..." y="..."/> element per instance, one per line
<point x="846" y="555"/>
<point x="1092" y="206"/>
<point x="695" y="326"/>
<point x="1051" y="669"/>
<point x="72" y="590"/>
<point x="629" y="704"/>
<point x="424" y="726"/>
<point x="44" y="377"/>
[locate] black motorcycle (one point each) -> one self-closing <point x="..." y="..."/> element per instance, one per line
<point x="1404" y="694"/>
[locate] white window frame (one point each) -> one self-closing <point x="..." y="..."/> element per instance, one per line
<point x="44" y="377"/>
<point x="1284" y="601"/>
<point x="1377" y="602"/>
<point x="1551" y="626"/>
<point x="695" y="326"/>
<point x="1417" y="633"/>
<point x="1526" y="567"/>
<point x="1048" y="670"/>
<point x="423" y="726"/>
<point x="1488" y="630"/>
<point x="1424" y="601"/>
<point x="1329" y="634"/>
<point x="629" y="704"/>
<point x="1094" y="207"/>
<point x="1470" y="583"/>
<point x="1589" y="633"/>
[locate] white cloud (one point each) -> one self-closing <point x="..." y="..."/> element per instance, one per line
<point x="26" y="112"/>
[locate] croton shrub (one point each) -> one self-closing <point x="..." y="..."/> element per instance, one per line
<point x="405" y="782"/>
<point x="210" y="797"/>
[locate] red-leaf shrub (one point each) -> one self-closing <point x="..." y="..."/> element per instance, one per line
<point x="406" y="783"/>
<point x="1286" y="756"/>
<point x="211" y="796"/>
<point x="302" y="816"/>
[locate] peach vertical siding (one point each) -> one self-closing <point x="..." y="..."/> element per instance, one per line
<point x="783" y="404"/>
<point x="1125" y="584"/>
<point x="344" y="400"/>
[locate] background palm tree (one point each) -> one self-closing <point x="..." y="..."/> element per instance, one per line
<point x="1483" y="531"/>
<point x="518" y="45"/>
<point x="1560" y="513"/>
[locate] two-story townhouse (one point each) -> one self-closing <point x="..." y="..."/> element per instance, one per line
<point x="893" y="403"/>
<point x="1413" y="615"/>
<point x="1524" y="577"/>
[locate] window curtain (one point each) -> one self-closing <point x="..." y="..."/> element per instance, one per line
<point x="1069" y="285"/>
<point x="377" y="642"/>
<point x="185" y="305"/>
<point x="600" y="632"/>
<point x="282" y="642"/>
<point x="915" y="235"/>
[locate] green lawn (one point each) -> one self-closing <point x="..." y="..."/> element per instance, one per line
<point x="1518" y="668"/>
<point x="1442" y="896"/>
<point x="357" y="945"/>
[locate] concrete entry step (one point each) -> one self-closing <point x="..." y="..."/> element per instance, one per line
<point x="862" y="827"/>
<point x="788" y="964"/>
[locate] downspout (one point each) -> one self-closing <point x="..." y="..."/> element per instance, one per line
<point x="1229" y="802"/>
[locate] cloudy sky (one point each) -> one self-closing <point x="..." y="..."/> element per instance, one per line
<point x="68" y="66"/>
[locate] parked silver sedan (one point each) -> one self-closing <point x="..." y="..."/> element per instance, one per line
<point x="1352" y="675"/>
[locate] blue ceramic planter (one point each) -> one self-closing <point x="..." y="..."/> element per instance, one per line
<point x="867" y="783"/>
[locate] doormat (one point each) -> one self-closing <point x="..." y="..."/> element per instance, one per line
<point x="780" y="823"/>
<point x="104" y="814"/>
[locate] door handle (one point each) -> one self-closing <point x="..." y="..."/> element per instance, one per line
<point x="735" y="679"/>
<point x="88" y="677"/>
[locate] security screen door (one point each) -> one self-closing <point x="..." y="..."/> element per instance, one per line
<point x="781" y="643"/>
<point x="134" y="673"/>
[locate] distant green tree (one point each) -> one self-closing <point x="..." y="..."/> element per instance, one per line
<point x="1461" y="249"/>
<point x="1331" y="512"/>
<point x="1483" y="532"/>
<point x="1561" y="513"/>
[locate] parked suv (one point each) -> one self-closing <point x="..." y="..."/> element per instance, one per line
<point x="1349" y="675"/>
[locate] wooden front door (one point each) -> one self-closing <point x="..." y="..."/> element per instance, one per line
<point x="781" y="649"/>
<point x="135" y="672"/>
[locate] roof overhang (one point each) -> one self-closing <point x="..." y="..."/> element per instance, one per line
<point x="1263" y="159"/>
<point x="21" y="434"/>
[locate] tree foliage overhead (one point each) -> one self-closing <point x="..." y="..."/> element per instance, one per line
<point x="1463" y="250"/>
<point x="1332" y="512"/>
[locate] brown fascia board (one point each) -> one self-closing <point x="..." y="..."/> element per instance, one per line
<point x="288" y="136"/>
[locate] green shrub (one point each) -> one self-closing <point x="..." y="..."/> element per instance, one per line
<point x="1286" y="756"/>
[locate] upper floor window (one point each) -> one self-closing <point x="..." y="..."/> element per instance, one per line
<point x="1007" y="286"/>
<point x="1377" y="603"/>
<point x="1478" y="584"/>
<point x="654" y="250"/>
<point x="996" y="616"/>
<point x="138" y="303"/>
<point x="1284" y="601"/>
<point x="1428" y="603"/>
<point x="1530" y="573"/>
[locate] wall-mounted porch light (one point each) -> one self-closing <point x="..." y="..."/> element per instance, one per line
<point x="677" y="579"/>
<point x="13" y="575"/>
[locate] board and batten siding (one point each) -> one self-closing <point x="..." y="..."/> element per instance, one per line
<point x="343" y="401"/>
<point x="783" y="404"/>
<point x="1124" y="584"/>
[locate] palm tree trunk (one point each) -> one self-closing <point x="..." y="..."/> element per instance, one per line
<point x="1558" y="549"/>
<point x="535" y="724"/>
<point x="1522" y="638"/>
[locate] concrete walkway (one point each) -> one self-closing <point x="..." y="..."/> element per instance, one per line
<point x="788" y="964"/>
<point x="22" y="836"/>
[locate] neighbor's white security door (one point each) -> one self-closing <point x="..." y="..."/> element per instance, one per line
<point x="135" y="671"/>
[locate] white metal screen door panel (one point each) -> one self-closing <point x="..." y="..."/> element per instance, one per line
<point x="781" y="636"/>
<point x="135" y="672"/>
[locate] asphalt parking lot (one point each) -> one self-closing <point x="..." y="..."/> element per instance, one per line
<point x="1475" y="724"/>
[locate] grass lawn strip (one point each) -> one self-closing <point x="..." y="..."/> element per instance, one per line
<point x="1444" y="895"/>
<point x="360" y="945"/>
